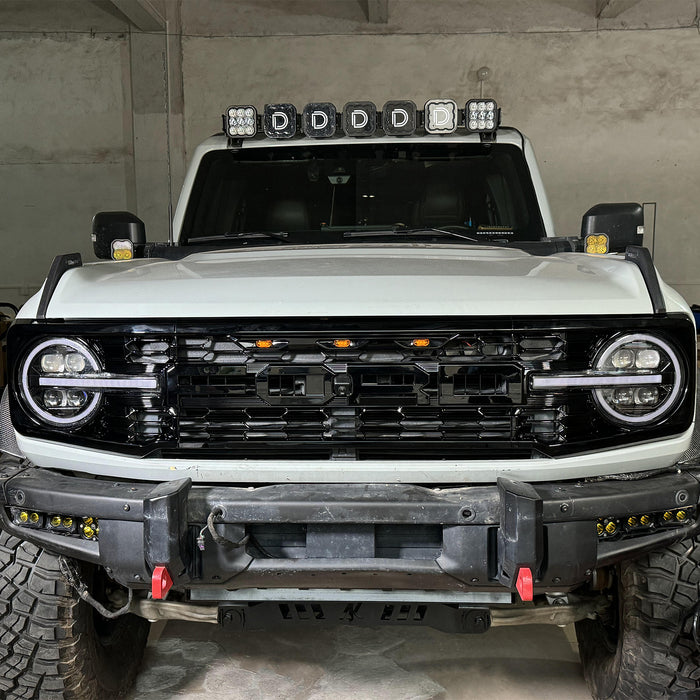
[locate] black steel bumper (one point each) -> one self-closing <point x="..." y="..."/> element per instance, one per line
<point x="468" y="539"/>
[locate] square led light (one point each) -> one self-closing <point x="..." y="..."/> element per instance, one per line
<point x="440" y="116"/>
<point x="318" y="120"/>
<point x="359" y="118"/>
<point x="122" y="249"/>
<point x="399" y="118"/>
<point x="241" y="121"/>
<point x="280" y="121"/>
<point x="597" y="244"/>
<point x="481" y="116"/>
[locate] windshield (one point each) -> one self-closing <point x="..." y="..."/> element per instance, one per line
<point x="318" y="193"/>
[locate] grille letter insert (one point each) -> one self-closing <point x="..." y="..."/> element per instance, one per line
<point x="481" y="384"/>
<point x="294" y="384"/>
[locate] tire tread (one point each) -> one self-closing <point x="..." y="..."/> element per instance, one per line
<point x="44" y="644"/>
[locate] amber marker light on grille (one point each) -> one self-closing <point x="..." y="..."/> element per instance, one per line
<point x="265" y="343"/>
<point x="420" y="342"/>
<point x="342" y="343"/>
<point x="597" y="244"/>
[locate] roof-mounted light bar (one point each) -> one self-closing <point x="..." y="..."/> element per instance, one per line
<point x="400" y="118"/>
<point x="280" y="121"/>
<point x="359" y="119"/>
<point x="320" y="120"/>
<point x="241" y="121"/>
<point x="441" y="116"/>
<point x="481" y="116"/>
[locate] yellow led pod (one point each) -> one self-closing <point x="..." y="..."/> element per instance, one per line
<point x="122" y="249"/>
<point x="597" y="244"/>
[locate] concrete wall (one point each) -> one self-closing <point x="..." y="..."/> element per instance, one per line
<point x="612" y="105"/>
<point x="82" y="129"/>
<point x="62" y="152"/>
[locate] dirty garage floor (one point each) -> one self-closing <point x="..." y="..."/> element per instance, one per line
<point x="198" y="661"/>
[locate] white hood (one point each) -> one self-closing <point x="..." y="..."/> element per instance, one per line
<point x="372" y="280"/>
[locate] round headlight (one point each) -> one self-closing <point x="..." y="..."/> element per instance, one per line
<point x="639" y="356"/>
<point x="43" y="387"/>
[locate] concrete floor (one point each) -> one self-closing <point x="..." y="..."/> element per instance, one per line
<point x="197" y="661"/>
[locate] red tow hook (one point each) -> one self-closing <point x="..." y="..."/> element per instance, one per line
<point x="161" y="583"/>
<point x="524" y="584"/>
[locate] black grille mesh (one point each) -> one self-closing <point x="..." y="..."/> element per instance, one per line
<point x="461" y="389"/>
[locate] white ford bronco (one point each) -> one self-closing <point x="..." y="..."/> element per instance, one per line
<point x="363" y="383"/>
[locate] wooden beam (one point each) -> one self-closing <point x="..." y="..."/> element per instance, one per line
<point x="141" y="14"/>
<point x="377" y="11"/>
<point x="609" y="9"/>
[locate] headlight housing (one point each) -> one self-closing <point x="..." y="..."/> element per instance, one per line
<point x="654" y="363"/>
<point x="50" y="382"/>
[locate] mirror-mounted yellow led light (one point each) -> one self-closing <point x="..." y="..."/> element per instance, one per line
<point x="600" y="528"/>
<point x="342" y="343"/>
<point x="34" y="517"/>
<point x="67" y="522"/>
<point x="645" y="520"/>
<point x="88" y="531"/>
<point x="681" y="515"/>
<point x="263" y="343"/>
<point x="668" y="516"/>
<point x="597" y="244"/>
<point x="55" y="520"/>
<point x="122" y="249"/>
<point x="632" y="521"/>
<point x="420" y="342"/>
<point x="23" y="516"/>
<point x="611" y="528"/>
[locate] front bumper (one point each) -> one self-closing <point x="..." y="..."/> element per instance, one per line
<point x="353" y="536"/>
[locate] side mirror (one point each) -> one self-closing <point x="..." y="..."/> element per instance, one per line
<point x="623" y="224"/>
<point x="118" y="235"/>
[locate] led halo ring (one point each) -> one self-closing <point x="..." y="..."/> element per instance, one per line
<point x="47" y="417"/>
<point x="670" y="400"/>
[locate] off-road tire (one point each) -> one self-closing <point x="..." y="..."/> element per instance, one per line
<point x="647" y="649"/>
<point x="54" y="646"/>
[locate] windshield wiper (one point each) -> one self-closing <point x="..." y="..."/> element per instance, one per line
<point x="424" y="230"/>
<point x="278" y="235"/>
